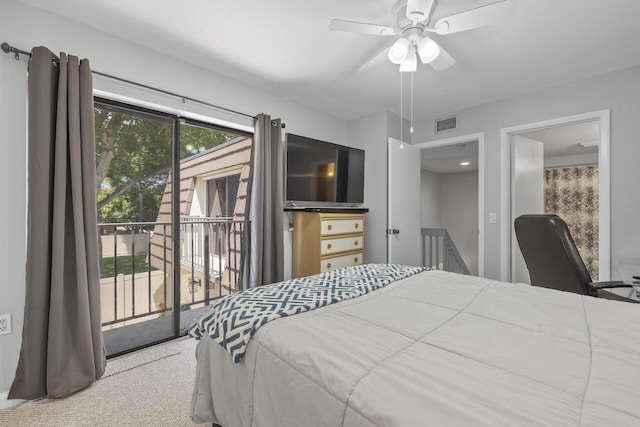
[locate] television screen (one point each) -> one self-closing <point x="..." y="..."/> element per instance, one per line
<point x="319" y="171"/>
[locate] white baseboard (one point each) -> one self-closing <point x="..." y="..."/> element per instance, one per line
<point x="6" y="403"/>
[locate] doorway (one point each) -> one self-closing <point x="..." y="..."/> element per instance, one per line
<point x="401" y="175"/>
<point x="449" y="197"/>
<point x="569" y="152"/>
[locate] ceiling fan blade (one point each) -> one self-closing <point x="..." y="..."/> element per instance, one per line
<point x="443" y="61"/>
<point x="377" y="60"/>
<point x="490" y="14"/>
<point x="360" y="27"/>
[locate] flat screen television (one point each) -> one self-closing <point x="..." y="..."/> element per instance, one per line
<point x="320" y="171"/>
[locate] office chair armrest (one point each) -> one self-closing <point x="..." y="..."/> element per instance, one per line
<point x="608" y="285"/>
<point x="604" y="294"/>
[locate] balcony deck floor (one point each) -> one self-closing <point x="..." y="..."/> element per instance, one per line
<point x="131" y="337"/>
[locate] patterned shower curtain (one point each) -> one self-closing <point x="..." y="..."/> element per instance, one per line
<point x="572" y="194"/>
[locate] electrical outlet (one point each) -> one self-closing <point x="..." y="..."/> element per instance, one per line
<point x="5" y="324"/>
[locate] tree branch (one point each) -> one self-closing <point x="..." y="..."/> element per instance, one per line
<point x="127" y="185"/>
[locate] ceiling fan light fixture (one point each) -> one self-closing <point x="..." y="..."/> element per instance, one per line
<point x="428" y="50"/>
<point x="410" y="64"/>
<point x="398" y="52"/>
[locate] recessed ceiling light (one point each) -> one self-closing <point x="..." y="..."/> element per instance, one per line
<point x="465" y="164"/>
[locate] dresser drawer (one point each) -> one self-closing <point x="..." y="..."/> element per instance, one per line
<point x="341" y="244"/>
<point x="341" y="261"/>
<point x="324" y="241"/>
<point x="341" y="226"/>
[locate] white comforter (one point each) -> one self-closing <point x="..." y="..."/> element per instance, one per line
<point x="435" y="349"/>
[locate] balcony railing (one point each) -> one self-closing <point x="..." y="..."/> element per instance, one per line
<point x="136" y="266"/>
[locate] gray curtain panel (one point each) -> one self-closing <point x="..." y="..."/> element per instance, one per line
<point x="267" y="224"/>
<point x="62" y="348"/>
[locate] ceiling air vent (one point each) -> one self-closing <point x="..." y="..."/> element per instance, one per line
<point x="445" y="125"/>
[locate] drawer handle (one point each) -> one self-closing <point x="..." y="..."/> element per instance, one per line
<point x="357" y="224"/>
<point x="355" y="243"/>
<point x="355" y="259"/>
<point x="329" y="246"/>
<point x="329" y="227"/>
<point x="328" y="265"/>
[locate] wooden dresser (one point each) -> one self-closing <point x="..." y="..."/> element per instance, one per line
<point x="326" y="241"/>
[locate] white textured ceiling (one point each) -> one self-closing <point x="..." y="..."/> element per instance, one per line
<point x="565" y="140"/>
<point x="447" y="159"/>
<point x="285" y="46"/>
<point x="559" y="141"/>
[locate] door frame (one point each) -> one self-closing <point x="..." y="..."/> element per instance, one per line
<point x="481" y="164"/>
<point x="604" y="178"/>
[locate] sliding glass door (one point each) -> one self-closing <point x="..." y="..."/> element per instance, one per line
<point x="164" y="255"/>
<point x="133" y="165"/>
<point x="215" y="166"/>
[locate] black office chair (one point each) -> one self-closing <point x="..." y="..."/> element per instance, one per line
<point x="553" y="260"/>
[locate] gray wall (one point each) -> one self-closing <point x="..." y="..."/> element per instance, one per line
<point x="430" y="199"/>
<point x="450" y="200"/>
<point x="574" y="160"/>
<point x="13" y="216"/>
<point x="618" y="91"/>
<point x="372" y="133"/>
<point x="460" y="214"/>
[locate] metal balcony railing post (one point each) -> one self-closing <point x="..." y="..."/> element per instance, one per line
<point x="219" y="251"/>
<point x="247" y="266"/>
<point x="115" y="273"/>
<point x="133" y="272"/>
<point x="164" y="262"/>
<point x="148" y="234"/>
<point x="207" y="261"/>
<point x="193" y="264"/>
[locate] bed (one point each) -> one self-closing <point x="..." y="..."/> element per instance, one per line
<point x="432" y="349"/>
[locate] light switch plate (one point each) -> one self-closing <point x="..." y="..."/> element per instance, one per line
<point x="493" y="218"/>
<point x="5" y="324"/>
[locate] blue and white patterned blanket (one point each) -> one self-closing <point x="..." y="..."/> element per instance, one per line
<point x="232" y="320"/>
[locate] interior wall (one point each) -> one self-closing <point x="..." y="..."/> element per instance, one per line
<point x="618" y="91"/>
<point x="430" y="199"/>
<point x="371" y="132"/>
<point x="13" y="217"/>
<point x="450" y="200"/>
<point x="460" y="214"/>
<point x="24" y="27"/>
<point x="574" y="160"/>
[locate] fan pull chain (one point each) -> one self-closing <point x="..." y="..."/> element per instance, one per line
<point x="401" y="140"/>
<point x="411" y="128"/>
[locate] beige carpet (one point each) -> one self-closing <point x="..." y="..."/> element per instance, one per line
<point x="148" y="388"/>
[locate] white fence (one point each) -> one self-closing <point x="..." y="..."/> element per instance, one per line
<point x="124" y="244"/>
<point x="117" y="295"/>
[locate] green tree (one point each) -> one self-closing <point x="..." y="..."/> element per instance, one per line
<point x="133" y="162"/>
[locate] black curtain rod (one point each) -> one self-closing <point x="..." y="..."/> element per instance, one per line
<point x="6" y="48"/>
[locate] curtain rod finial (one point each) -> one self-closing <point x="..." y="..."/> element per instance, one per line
<point x="7" y="48"/>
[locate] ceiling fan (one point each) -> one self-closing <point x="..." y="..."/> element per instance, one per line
<point x="413" y="24"/>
